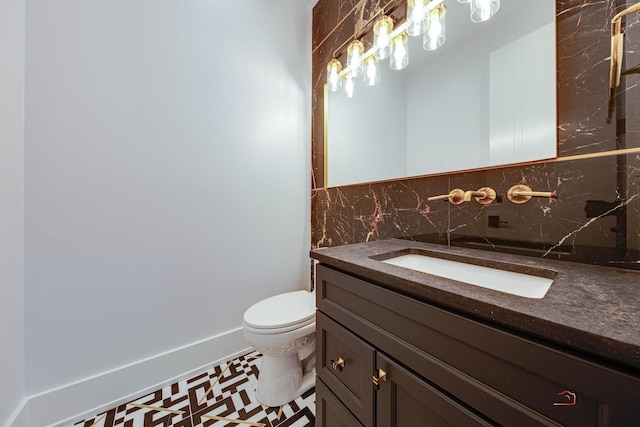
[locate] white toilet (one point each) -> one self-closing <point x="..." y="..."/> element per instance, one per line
<point x="283" y="328"/>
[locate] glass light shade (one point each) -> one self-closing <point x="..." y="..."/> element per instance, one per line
<point x="381" y="30"/>
<point x="354" y="57"/>
<point x="348" y="85"/>
<point x="416" y="11"/>
<point x="333" y="78"/>
<point x="400" y="54"/>
<point x="482" y="10"/>
<point x="464" y="1"/>
<point x="435" y="35"/>
<point x="371" y="71"/>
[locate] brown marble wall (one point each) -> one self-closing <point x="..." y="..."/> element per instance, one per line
<point x="594" y="219"/>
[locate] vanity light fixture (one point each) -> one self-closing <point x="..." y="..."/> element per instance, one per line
<point x="333" y="74"/>
<point x="381" y="36"/>
<point x="422" y="17"/>
<point x="371" y="71"/>
<point x="416" y="13"/>
<point x="435" y="35"/>
<point x="483" y="10"/>
<point x="400" y="52"/>
<point x="354" y="57"/>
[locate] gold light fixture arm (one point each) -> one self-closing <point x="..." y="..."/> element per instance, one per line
<point x="522" y="194"/>
<point x="615" y="67"/>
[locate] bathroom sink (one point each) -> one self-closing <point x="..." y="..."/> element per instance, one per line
<point x="499" y="279"/>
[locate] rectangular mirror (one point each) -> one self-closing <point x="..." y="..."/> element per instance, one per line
<point x="486" y="98"/>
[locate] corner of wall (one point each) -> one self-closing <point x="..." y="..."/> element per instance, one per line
<point x="20" y="417"/>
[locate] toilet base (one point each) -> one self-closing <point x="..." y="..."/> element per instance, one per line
<point x="282" y="380"/>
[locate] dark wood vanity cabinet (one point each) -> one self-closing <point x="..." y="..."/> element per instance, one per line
<point x="438" y="368"/>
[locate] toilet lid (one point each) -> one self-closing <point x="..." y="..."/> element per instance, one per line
<point x="281" y="311"/>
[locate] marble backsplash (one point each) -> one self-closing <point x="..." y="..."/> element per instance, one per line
<point x="595" y="217"/>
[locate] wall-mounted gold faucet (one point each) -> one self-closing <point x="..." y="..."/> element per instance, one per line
<point x="484" y="195"/>
<point x="522" y="193"/>
<point x="455" y="196"/>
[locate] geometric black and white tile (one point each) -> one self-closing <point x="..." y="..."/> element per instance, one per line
<point x="223" y="396"/>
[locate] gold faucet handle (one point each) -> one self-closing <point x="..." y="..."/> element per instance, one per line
<point x="484" y="195"/>
<point x="522" y="193"/>
<point x="455" y="196"/>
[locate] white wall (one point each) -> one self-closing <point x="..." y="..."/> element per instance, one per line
<point x="166" y="172"/>
<point x="12" y="22"/>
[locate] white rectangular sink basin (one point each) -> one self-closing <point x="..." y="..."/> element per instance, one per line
<point x="524" y="285"/>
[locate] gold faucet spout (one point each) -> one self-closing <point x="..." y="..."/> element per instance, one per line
<point x="484" y="195"/>
<point x="469" y="194"/>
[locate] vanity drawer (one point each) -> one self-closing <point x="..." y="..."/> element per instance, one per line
<point x="330" y="412"/>
<point x="345" y="363"/>
<point x="512" y="380"/>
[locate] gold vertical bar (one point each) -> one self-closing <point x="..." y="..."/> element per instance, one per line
<point x="325" y="166"/>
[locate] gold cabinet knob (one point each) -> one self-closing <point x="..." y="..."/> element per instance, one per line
<point x="338" y="365"/>
<point x="382" y="377"/>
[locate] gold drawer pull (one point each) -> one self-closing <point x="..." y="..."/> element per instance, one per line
<point x="338" y="364"/>
<point x="382" y="376"/>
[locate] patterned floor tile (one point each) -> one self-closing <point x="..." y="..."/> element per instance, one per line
<point x="217" y="397"/>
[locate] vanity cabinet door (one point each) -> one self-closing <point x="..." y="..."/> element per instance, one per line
<point x="345" y="364"/>
<point x="405" y="400"/>
<point x="329" y="411"/>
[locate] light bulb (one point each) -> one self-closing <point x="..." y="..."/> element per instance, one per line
<point x="348" y="85"/>
<point x="416" y="12"/>
<point x="354" y="60"/>
<point x="333" y="70"/>
<point x="435" y="35"/>
<point x="482" y="10"/>
<point x="381" y="40"/>
<point x="400" y="54"/>
<point x="371" y="71"/>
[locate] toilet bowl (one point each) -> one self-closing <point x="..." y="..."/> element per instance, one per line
<point x="283" y="328"/>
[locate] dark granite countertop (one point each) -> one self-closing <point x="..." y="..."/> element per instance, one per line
<point x="595" y="310"/>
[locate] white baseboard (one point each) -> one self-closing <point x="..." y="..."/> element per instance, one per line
<point x="63" y="406"/>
